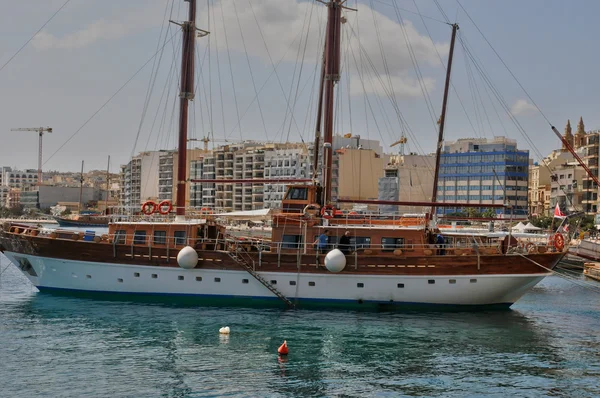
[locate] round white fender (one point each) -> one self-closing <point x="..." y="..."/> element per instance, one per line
<point x="335" y="261"/>
<point x="187" y="257"/>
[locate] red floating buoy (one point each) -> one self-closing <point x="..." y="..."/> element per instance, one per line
<point x="283" y="349"/>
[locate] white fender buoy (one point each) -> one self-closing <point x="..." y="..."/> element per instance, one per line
<point x="335" y="261"/>
<point x="224" y="330"/>
<point x="187" y="257"/>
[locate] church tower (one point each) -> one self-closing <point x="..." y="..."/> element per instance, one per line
<point x="580" y="134"/>
<point x="568" y="136"/>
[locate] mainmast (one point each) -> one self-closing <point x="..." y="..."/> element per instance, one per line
<point x="442" y="120"/>
<point x="331" y="77"/>
<point x="187" y="94"/>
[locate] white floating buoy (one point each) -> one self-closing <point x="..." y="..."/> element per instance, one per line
<point x="187" y="257"/>
<point x="224" y="330"/>
<point x="335" y="261"/>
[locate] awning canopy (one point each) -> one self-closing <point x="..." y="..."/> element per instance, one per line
<point x="247" y="214"/>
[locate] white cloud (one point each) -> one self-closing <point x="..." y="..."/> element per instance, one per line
<point x="522" y="107"/>
<point x="107" y="28"/>
<point x="281" y="21"/>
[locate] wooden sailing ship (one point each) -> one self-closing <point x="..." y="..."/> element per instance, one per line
<point x="389" y="262"/>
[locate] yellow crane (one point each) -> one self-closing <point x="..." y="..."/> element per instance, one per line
<point x="403" y="140"/>
<point x="40" y="131"/>
<point x="206" y="140"/>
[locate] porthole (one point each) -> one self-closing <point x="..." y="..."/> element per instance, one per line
<point x="180" y="277"/>
<point x="154" y="276"/>
<point x="198" y="279"/>
<point x="136" y="274"/>
<point x="120" y="280"/>
<point x="292" y="283"/>
<point x="473" y="280"/>
<point x="217" y="279"/>
<point x="360" y="285"/>
<point x="400" y="285"/>
<point x="311" y="284"/>
<point x="452" y="281"/>
<point x="245" y="281"/>
<point x="273" y="282"/>
<point x="431" y="281"/>
<point x="88" y="276"/>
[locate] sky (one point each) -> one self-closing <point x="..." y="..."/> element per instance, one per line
<point x="103" y="74"/>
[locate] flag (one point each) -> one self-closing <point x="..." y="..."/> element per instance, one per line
<point x="558" y="213"/>
<point x="566" y="228"/>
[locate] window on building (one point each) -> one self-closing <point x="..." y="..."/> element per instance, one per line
<point x="389" y="244"/>
<point x="179" y="238"/>
<point x="160" y="237"/>
<point x="291" y="241"/>
<point x="139" y="237"/>
<point x="120" y="236"/>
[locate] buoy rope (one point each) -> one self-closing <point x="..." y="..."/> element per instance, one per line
<point x="571" y="279"/>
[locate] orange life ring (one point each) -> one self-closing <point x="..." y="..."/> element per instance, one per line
<point x="149" y="207"/>
<point x="161" y="207"/>
<point x="559" y="242"/>
<point x="327" y="211"/>
<point x="205" y="210"/>
<point x="530" y="247"/>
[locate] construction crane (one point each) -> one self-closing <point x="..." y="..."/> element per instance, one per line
<point x="40" y="131"/>
<point x="206" y="140"/>
<point x="403" y="140"/>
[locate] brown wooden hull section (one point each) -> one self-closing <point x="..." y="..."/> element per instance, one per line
<point x="380" y="264"/>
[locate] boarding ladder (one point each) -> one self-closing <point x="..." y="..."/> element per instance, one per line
<point x="237" y="255"/>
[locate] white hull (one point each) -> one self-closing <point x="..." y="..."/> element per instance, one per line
<point x="320" y="289"/>
<point x="587" y="248"/>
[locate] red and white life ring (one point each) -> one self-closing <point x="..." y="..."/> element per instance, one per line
<point x="327" y="211"/>
<point x="165" y="207"/>
<point x="559" y="242"/>
<point x="149" y="207"/>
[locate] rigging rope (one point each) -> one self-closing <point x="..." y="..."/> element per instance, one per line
<point x="34" y="35"/>
<point x="106" y="102"/>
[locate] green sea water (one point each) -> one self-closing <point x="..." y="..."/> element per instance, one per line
<point x="52" y="346"/>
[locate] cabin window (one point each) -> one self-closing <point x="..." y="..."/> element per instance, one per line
<point x="400" y="285"/>
<point x="136" y="274"/>
<point x="431" y="281"/>
<point x="154" y="276"/>
<point x="120" y="236"/>
<point x="273" y="282"/>
<point x="180" y="277"/>
<point x="198" y="279"/>
<point x="139" y="237"/>
<point x="291" y="241"/>
<point x="244" y="281"/>
<point x="452" y="281"/>
<point x="297" y="194"/>
<point x="160" y="237"/>
<point x="389" y="244"/>
<point x="360" y="285"/>
<point x="360" y="242"/>
<point x="292" y="283"/>
<point x="179" y="238"/>
<point x="120" y="280"/>
<point x="311" y="284"/>
<point x="217" y="279"/>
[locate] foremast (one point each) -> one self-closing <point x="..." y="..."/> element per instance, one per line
<point x="185" y="96"/>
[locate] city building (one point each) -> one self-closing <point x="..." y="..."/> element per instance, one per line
<point x="407" y="178"/>
<point x="19" y="179"/>
<point x="288" y="163"/>
<point x="356" y="173"/>
<point x="540" y="178"/>
<point x="139" y="179"/>
<point x="567" y="187"/>
<point x="484" y="171"/>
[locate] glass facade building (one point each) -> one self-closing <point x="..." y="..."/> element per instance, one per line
<point x="484" y="172"/>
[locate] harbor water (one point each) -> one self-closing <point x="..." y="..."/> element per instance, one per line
<point x="548" y="344"/>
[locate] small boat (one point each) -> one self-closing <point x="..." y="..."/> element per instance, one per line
<point x="592" y="270"/>
<point x="84" y="220"/>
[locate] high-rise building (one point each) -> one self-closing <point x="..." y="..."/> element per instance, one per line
<point x="484" y="171"/>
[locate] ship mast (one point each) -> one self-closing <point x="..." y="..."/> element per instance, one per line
<point x="331" y="77"/>
<point x="442" y="120"/>
<point x="187" y="94"/>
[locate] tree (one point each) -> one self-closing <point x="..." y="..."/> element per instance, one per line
<point x="489" y="213"/>
<point x="542" y="221"/>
